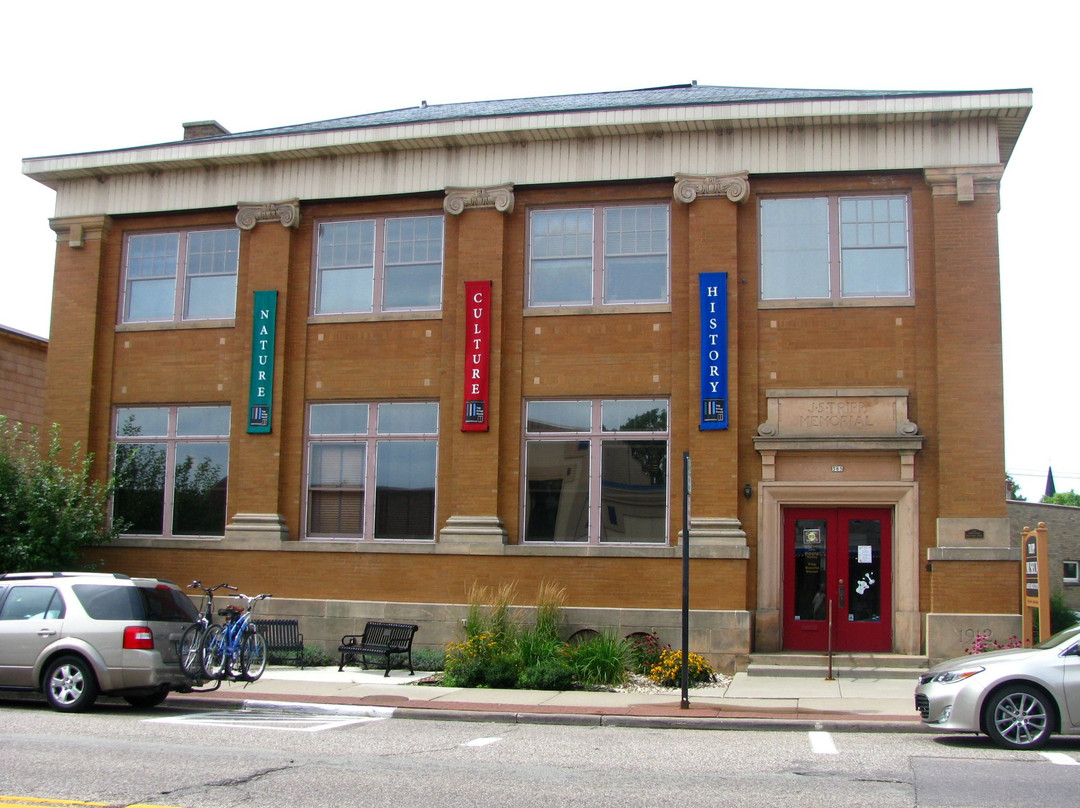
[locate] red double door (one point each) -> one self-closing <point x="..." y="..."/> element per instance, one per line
<point x="838" y="561"/>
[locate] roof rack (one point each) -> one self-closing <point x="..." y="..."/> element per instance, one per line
<point x="31" y="576"/>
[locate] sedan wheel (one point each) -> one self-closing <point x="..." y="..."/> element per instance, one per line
<point x="1019" y="717"/>
<point x="70" y="685"/>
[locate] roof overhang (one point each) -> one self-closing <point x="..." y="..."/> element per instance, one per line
<point x="1007" y="108"/>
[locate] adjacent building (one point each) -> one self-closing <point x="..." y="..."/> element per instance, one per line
<point x="368" y="363"/>
<point x="22" y="377"/>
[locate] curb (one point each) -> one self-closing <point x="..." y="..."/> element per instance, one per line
<point x="833" y="722"/>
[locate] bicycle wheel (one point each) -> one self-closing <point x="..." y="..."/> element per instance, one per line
<point x="214" y="655"/>
<point x="252" y="656"/>
<point x="191" y="650"/>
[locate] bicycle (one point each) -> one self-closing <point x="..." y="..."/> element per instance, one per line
<point x="235" y="650"/>
<point x="191" y="643"/>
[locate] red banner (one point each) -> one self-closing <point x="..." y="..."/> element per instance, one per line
<point x="477" y="355"/>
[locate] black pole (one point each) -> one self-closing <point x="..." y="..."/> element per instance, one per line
<point x="685" y="703"/>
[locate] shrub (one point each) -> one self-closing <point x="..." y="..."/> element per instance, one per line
<point x="645" y="650"/>
<point x="50" y="507"/>
<point x="501" y="671"/>
<point x="553" y="674"/>
<point x="668" y="671"/>
<point x="599" y="661"/>
<point x="1061" y="616"/>
<point x="429" y="659"/>
<point x="466" y="661"/>
<point x="312" y="656"/>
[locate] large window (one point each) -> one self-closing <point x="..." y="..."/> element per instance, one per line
<point x="172" y="470"/>
<point x="389" y="448"/>
<point x="835" y="248"/>
<point x="177" y="276"/>
<point x="598" y="256"/>
<point x="379" y="265"/>
<point x="596" y="471"/>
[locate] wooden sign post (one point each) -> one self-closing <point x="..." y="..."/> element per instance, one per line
<point x="1035" y="583"/>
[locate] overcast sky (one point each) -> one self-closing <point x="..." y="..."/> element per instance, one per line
<point x="82" y="77"/>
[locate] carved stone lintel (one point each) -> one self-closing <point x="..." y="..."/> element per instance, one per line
<point x="964" y="182"/>
<point x="500" y="197"/>
<point x="689" y="187"/>
<point x="253" y="213"/>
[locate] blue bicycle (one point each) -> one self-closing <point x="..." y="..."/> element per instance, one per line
<point x="235" y="650"/>
<point x="191" y="645"/>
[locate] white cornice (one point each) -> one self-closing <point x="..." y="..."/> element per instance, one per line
<point x="1008" y="108"/>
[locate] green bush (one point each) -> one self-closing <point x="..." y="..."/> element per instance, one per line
<point x="600" y="661"/>
<point x="502" y="671"/>
<point x="50" y="507"/>
<point x="645" y="651"/>
<point x="552" y="674"/>
<point x="1061" y="614"/>
<point x="429" y="659"/>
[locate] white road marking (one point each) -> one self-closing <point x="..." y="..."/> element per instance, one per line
<point x="1060" y="758"/>
<point x="482" y="741"/>
<point x="822" y="743"/>
<point x="282" y="723"/>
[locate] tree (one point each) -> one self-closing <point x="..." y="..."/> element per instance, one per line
<point x="49" y="509"/>
<point x="1012" y="490"/>
<point x="1063" y="498"/>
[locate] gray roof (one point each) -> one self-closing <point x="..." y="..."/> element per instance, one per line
<point x="678" y="95"/>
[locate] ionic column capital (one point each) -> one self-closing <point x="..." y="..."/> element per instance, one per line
<point x="253" y="213"/>
<point x="499" y="197"/>
<point x="689" y="187"/>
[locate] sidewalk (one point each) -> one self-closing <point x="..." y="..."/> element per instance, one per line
<point x="758" y="702"/>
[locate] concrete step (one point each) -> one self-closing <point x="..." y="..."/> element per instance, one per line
<point x="844" y="665"/>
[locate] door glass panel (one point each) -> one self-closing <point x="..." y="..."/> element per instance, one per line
<point x="810" y="569"/>
<point x="864" y="570"/>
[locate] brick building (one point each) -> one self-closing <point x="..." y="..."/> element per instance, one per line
<point x="367" y="363"/>
<point x="22" y="376"/>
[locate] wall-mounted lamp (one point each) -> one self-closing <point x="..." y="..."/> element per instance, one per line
<point x="747" y="491"/>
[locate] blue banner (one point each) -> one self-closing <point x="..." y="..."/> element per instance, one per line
<point x="712" y="289"/>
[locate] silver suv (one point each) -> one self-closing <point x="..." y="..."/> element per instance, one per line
<point x="74" y="635"/>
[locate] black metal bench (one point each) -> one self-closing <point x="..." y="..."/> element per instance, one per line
<point x="283" y="639"/>
<point x="379" y="640"/>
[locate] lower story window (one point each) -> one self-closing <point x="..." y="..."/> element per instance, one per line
<point x="1071" y="572"/>
<point x="172" y="470"/>
<point x="390" y="448"/>
<point x="596" y="471"/>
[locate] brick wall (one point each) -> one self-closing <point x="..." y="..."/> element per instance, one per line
<point x="22" y="377"/>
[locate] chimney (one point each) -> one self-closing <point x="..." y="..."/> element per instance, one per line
<point x="201" y="129"/>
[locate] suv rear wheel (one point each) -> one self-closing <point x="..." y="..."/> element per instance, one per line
<point x="69" y="684"/>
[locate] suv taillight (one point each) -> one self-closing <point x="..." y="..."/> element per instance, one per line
<point x="138" y="638"/>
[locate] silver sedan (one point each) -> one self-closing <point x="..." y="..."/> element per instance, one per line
<point x="1019" y="697"/>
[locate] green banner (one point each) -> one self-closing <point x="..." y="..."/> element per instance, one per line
<point x="261" y="396"/>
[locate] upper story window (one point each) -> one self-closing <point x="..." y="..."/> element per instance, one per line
<point x="596" y="471"/>
<point x="599" y="256"/>
<point x="172" y="470"/>
<point x="184" y="275"/>
<point x="835" y="248"/>
<point x="356" y="448"/>
<point x="381" y="264"/>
